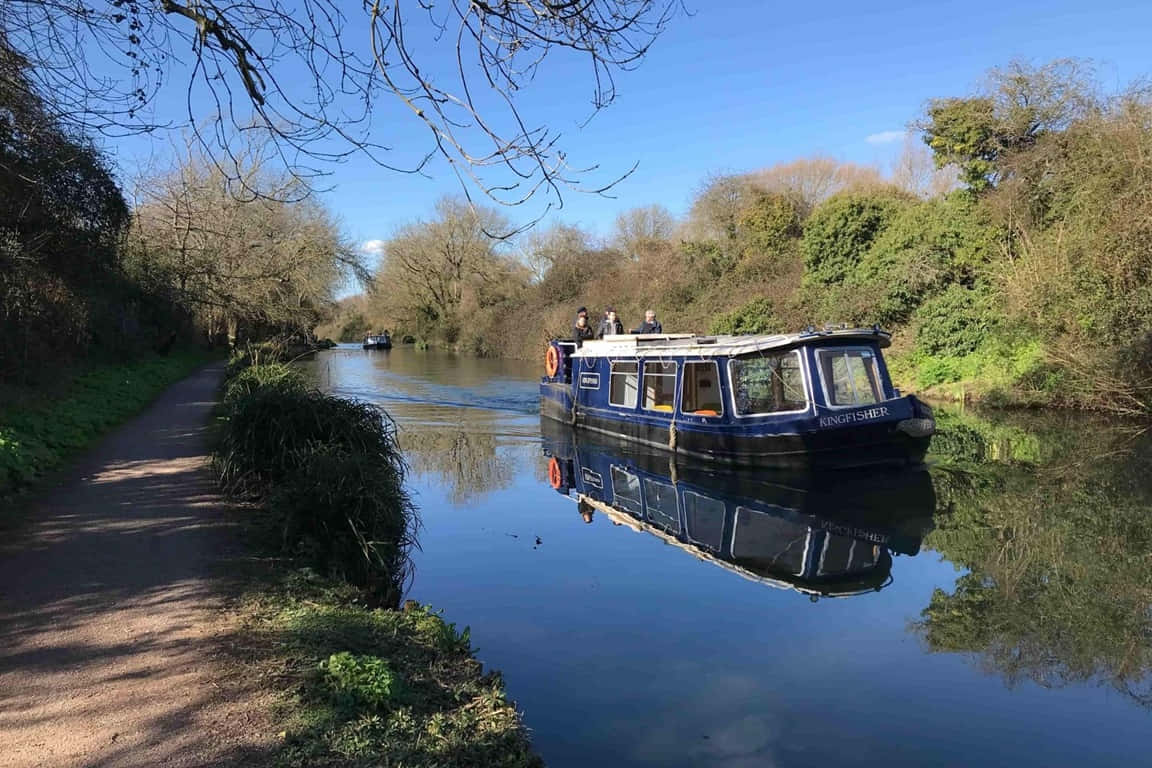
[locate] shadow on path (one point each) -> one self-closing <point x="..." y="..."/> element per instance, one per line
<point x="114" y="632"/>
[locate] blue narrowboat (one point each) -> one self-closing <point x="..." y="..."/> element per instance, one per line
<point x="816" y="398"/>
<point x="783" y="529"/>
<point x="378" y="341"/>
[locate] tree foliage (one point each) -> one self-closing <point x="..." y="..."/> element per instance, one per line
<point x="441" y="272"/>
<point x="841" y="231"/>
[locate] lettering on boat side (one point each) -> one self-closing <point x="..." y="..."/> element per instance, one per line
<point x="592" y="478"/>
<point x="589" y="381"/>
<point x="853" y="417"/>
<point x="853" y="532"/>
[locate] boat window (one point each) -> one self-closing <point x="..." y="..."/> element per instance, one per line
<point x="843" y="555"/>
<point x="659" y="386"/>
<point x="660" y="501"/>
<point x="625" y="383"/>
<point x="768" y="383"/>
<point x="764" y="542"/>
<point x="704" y="517"/>
<point x="700" y="389"/>
<point x="850" y="376"/>
<point x="626" y="491"/>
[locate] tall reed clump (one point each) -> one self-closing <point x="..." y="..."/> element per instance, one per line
<point x="327" y="471"/>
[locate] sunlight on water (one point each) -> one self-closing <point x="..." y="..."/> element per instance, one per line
<point x="990" y="610"/>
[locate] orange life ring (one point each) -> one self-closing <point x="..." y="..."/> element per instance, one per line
<point x="555" y="476"/>
<point x="551" y="361"/>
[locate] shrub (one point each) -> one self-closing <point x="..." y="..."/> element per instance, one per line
<point x="249" y="379"/>
<point x="329" y="472"/>
<point x="365" y="680"/>
<point x="754" y="317"/>
<point x="841" y="230"/>
<point x="271" y="430"/>
<point x="349" y="515"/>
<point x="770" y="220"/>
<point x="956" y="322"/>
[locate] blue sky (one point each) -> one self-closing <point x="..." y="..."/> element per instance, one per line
<point x="743" y="85"/>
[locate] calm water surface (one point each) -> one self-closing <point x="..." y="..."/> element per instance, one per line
<point x="994" y="610"/>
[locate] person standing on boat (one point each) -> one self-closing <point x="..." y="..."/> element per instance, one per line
<point x="581" y="331"/>
<point x="650" y="324"/>
<point x="610" y="325"/>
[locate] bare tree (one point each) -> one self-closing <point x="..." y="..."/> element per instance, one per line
<point x="434" y="272"/>
<point x="272" y="262"/>
<point x="640" y="229"/>
<point x="313" y="85"/>
<point x="814" y="179"/>
<point x="545" y="250"/>
<point x="914" y="170"/>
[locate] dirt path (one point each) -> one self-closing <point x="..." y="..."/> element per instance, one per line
<point x="113" y="620"/>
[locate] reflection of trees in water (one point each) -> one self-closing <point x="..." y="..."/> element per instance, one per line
<point x="470" y="464"/>
<point x="1059" y="552"/>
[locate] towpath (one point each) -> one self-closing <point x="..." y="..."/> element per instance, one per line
<point x="114" y="621"/>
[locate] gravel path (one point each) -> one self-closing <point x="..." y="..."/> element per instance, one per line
<point x="114" y="628"/>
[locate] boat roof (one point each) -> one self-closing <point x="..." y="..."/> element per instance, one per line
<point x="691" y="345"/>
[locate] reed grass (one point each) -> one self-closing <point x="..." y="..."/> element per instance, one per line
<point x="328" y="474"/>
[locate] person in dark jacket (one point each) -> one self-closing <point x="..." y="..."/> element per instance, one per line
<point x="610" y="325"/>
<point x="650" y="324"/>
<point x="581" y="331"/>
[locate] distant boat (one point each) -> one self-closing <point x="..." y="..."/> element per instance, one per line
<point x="820" y="536"/>
<point x="815" y="398"/>
<point x="378" y="341"/>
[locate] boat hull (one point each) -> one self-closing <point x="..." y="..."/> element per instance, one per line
<point x="378" y="345"/>
<point x="867" y="444"/>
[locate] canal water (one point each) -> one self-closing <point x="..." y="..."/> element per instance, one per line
<point x="991" y="610"/>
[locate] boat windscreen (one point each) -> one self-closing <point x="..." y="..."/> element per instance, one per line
<point x="768" y="383"/>
<point x="850" y="376"/>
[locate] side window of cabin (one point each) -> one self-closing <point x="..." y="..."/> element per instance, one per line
<point x="705" y="519"/>
<point x="660" y="501"/>
<point x="769" y="383"/>
<point x="850" y="376"/>
<point x="659" y="385"/>
<point x="625" y="383"/>
<point x="700" y="389"/>
<point x="626" y="491"/>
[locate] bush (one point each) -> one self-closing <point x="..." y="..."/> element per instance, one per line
<point x="841" y="230"/>
<point x="350" y="516"/>
<point x="957" y="322"/>
<point x="754" y="317"/>
<point x="248" y="380"/>
<point x="328" y="470"/>
<point x="360" y="680"/>
<point x="271" y="431"/>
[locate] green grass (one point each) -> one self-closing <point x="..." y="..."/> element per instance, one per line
<point x="374" y="687"/>
<point x="40" y="431"/>
<point x="327" y="472"/>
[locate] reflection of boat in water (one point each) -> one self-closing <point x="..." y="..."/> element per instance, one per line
<point x="822" y="535"/>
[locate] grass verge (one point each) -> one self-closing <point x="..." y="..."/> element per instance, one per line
<point x="359" y="684"/>
<point x="41" y="430"/>
<point x="370" y="687"/>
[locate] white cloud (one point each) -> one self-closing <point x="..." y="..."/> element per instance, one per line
<point x="885" y="137"/>
<point x="373" y="247"/>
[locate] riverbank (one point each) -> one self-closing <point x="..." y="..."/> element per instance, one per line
<point x="42" y="429"/>
<point x="356" y="680"/>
